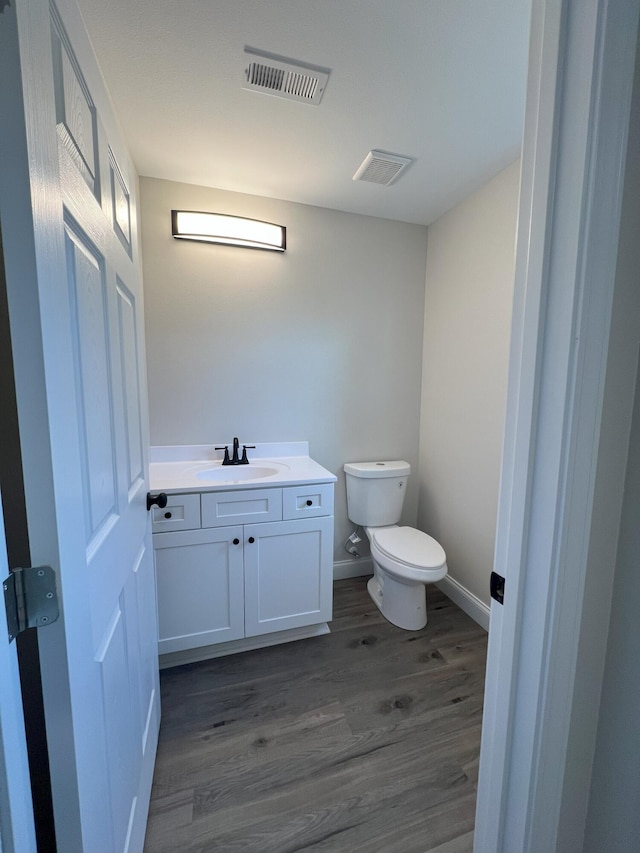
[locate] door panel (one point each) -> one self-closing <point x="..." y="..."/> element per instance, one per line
<point x="112" y="659"/>
<point x="75" y="111"/>
<point x="130" y="382"/>
<point x="141" y="634"/>
<point x="90" y="333"/>
<point x="120" y="203"/>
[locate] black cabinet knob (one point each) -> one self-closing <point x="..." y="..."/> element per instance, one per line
<point x="251" y="540"/>
<point x="309" y="503"/>
<point x="167" y="515"/>
<point x="236" y="541"/>
<point x="159" y="499"/>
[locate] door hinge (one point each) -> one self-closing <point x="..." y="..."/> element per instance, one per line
<point x="497" y="587"/>
<point x="30" y="599"/>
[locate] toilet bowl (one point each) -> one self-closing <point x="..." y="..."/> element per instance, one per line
<point x="404" y="559"/>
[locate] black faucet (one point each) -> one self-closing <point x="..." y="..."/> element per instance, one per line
<point x="235" y="459"/>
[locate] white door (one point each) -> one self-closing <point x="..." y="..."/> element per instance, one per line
<point x="68" y="210"/>
<point x="16" y="816"/>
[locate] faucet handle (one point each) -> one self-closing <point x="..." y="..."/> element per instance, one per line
<point x="244" y="460"/>
<point x="226" y="460"/>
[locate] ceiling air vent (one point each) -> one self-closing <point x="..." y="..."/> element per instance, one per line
<point x="284" y="78"/>
<point x="378" y="167"/>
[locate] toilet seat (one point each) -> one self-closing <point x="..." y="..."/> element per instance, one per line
<point x="411" y="547"/>
<point x="410" y="555"/>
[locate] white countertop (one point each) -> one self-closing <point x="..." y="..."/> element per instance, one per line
<point x="198" y="468"/>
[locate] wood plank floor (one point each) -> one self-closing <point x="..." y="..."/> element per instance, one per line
<point x="365" y="740"/>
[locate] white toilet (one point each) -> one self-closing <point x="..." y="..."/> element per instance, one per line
<point x="404" y="559"/>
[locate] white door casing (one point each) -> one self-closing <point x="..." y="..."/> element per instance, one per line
<point x="68" y="207"/>
<point x="578" y="103"/>
<point x="16" y="816"/>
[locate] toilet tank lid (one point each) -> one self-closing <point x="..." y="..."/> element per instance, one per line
<point x="378" y="469"/>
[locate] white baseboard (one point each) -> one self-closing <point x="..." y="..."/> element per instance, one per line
<point x="244" y="645"/>
<point x="460" y="595"/>
<point x="467" y="601"/>
<point x="355" y="568"/>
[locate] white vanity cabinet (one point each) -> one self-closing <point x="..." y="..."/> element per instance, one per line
<point x="242" y="563"/>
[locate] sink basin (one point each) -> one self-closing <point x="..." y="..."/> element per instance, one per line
<point x="236" y="473"/>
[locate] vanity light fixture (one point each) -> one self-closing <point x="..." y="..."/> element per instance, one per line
<point x="230" y="230"/>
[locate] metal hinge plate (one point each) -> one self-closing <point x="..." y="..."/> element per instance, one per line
<point x="30" y="599"/>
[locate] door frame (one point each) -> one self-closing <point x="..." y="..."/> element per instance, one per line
<point x="17" y="830"/>
<point x="559" y="506"/>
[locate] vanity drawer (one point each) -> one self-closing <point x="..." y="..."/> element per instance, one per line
<point x="182" y="512"/>
<point x="307" y="501"/>
<point x="220" y="509"/>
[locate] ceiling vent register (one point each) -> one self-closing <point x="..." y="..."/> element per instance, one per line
<point x="284" y="78"/>
<point x="378" y="167"/>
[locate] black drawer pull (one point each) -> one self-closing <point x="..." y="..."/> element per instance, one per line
<point x="251" y="540"/>
<point x="167" y="515"/>
<point x="236" y="541"/>
<point x="309" y="503"/>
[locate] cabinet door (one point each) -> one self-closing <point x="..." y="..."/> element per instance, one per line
<point x="200" y="590"/>
<point x="288" y="574"/>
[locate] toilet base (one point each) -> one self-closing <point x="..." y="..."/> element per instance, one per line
<point x="404" y="605"/>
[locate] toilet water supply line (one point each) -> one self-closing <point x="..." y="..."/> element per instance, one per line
<point x="352" y="541"/>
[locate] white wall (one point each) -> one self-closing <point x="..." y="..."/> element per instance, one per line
<point x="323" y="343"/>
<point x="469" y="286"/>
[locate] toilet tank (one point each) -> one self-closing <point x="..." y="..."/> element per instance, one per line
<point x="375" y="492"/>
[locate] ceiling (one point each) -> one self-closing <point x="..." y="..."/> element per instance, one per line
<point x="441" y="81"/>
